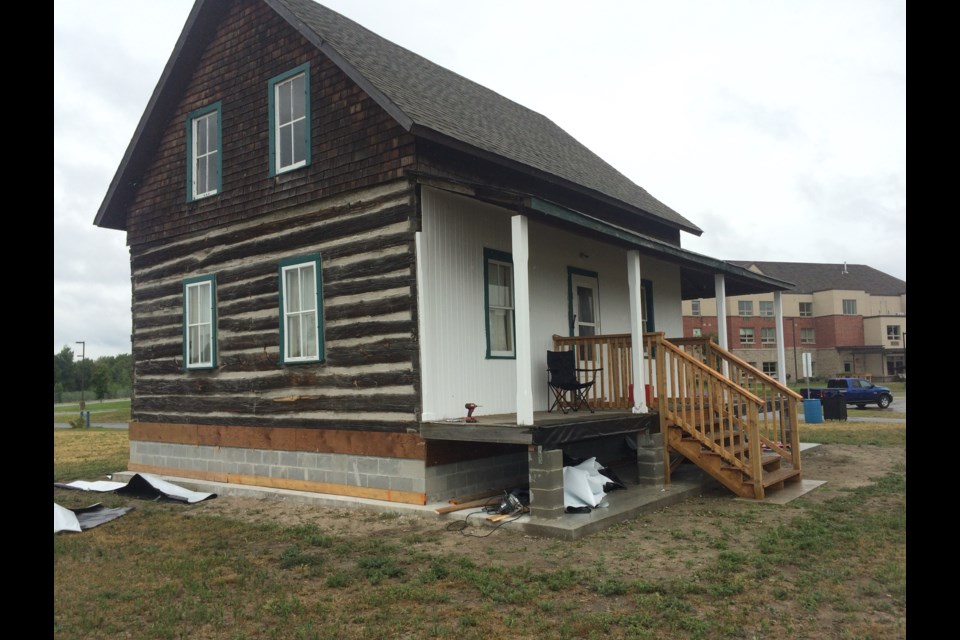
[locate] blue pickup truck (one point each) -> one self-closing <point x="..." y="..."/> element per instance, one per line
<point x="856" y="391"/>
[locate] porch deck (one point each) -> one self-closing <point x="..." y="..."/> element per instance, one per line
<point x="550" y="429"/>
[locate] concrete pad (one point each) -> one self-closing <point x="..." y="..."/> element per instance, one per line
<point x="790" y="492"/>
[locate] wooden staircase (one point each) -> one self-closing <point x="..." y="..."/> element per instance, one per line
<point x="731" y="420"/>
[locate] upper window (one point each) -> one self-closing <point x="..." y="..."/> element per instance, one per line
<point x="289" y="98"/>
<point x="893" y="332"/>
<point x="807" y="336"/>
<point x="199" y="323"/>
<point x="745" y="307"/>
<point x="695" y="307"/>
<point x="203" y="152"/>
<point x="806" y="309"/>
<point x="766" y="307"/>
<point x="768" y="335"/>
<point x="746" y="335"/>
<point x="301" y="338"/>
<point x="849" y="307"/>
<point x="498" y="300"/>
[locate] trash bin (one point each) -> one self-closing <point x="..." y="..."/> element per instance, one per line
<point x="834" y="406"/>
<point x="812" y="411"/>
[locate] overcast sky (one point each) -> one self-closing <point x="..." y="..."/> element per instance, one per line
<point x="777" y="127"/>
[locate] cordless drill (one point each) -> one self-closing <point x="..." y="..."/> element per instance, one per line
<point x="470" y="407"/>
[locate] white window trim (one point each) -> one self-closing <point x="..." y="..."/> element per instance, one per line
<point x="503" y="259"/>
<point x="215" y="178"/>
<point x="277" y="129"/>
<point x="286" y="266"/>
<point x="198" y="284"/>
<point x="753" y="335"/>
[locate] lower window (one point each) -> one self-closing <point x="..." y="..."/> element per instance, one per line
<point x="199" y="323"/>
<point x="301" y="338"/>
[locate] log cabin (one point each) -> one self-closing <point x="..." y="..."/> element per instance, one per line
<point x="337" y="245"/>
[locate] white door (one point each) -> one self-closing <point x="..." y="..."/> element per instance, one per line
<point x="585" y="308"/>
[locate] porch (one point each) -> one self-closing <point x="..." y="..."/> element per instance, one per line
<point x="701" y="404"/>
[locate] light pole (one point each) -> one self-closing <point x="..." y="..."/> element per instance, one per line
<point x="83" y="356"/>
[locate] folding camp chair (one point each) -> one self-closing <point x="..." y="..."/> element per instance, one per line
<point x="562" y="380"/>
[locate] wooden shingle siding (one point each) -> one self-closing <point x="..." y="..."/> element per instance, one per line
<point x="367" y="380"/>
<point x="354" y="142"/>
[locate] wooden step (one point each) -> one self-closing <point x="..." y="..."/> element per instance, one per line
<point x="780" y="476"/>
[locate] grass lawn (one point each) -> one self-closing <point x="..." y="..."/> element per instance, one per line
<point x="106" y="411"/>
<point x="826" y="565"/>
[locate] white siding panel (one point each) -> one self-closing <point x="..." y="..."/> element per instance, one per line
<point x="456" y="229"/>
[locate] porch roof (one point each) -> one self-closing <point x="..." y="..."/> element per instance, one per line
<point x="696" y="270"/>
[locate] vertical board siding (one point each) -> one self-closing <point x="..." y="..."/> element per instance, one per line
<point x="367" y="381"/>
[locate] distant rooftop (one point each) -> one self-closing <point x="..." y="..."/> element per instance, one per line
<point x="810" y="277"/>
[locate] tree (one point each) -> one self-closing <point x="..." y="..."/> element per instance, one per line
<point x="100" y="381"/>
<point x="64" y="369"/>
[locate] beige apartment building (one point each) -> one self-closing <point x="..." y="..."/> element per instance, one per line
<point x="850" y="318"/>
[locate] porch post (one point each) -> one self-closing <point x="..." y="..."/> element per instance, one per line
<point x="521" y="307"/>
<point x="781" y="347"/>
<point x="636" y="332"/>
<point x="720" y="287"/>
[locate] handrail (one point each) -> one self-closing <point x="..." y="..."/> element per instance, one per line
<point x="720" y="414"/>
<point x="713" y="395"/>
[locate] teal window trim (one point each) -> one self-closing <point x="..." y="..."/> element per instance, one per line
<point x="304" y="69"/>
<point x="572" y="271"/>
<point x="504" y="258"/>
<point x="314" y="259"/>
<point x="191" y="118"/>
<point x="188" y="284"/>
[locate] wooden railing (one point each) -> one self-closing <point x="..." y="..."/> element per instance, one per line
<point x="696" y="384"/>
<point x="607" y="359"/>
<point x="777" y="413"/>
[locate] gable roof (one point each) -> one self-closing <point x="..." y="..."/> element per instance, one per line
<point x="810" y="277"/>
<point x="426" y="99"/>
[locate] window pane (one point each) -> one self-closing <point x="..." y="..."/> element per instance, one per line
<point x="200" y="136"/>
<point x="308" y="289"/>
<point x="284" y="108"/>
<point x="286" y="147"/>
<point x="292" y="292"/>
<point x="298" y="96"/>
<point x="212" y="133"/>
<point x="293" y="336"/>
<point x="308" y="329"/>
<point x="299" y="143"/>
<point x="501" y="330"/>
<point x="203" y="302"/>
<point x="585" y="304"/>
<point x="192" y="297"/>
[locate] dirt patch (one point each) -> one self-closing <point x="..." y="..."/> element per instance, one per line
<point x="842" y="467"/>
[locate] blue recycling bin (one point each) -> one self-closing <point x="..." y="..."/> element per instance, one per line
<point x="813" y="411"/>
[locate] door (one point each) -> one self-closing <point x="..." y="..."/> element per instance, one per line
<point x="584" y="310"/>
<point x="585" y="303"/>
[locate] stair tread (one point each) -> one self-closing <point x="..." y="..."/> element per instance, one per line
<point x="779" y="475"/>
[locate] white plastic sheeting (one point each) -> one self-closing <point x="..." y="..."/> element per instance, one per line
<point x="583" y="484"/>
<point x="141" y="485"/>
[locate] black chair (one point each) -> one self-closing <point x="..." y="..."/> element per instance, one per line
<point x="562" y="379"/>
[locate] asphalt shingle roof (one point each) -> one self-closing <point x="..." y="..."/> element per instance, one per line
<point x="810" y="277"/>
<point x="438" y="100"/>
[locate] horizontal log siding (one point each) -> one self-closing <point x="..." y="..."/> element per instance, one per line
<point x="354" y="143"/>
<point x="368" y="380"/>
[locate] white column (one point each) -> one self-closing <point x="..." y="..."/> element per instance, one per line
<point x="521" y="309"/>
<point x="781" y="347"/>
<point x="720" y="289"/>
<point x="636" y="332"/>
